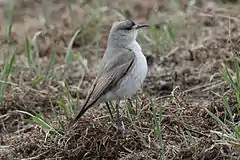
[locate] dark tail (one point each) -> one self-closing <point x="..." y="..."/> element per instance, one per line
<point x="80" y="114"/>
<point x="85" y="107"/>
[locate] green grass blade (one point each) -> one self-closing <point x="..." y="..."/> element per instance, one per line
<point x="237" y="71"/>
<point x="40" y="79"/>
<point x="6" y="73"/>
<point x="41" y="116"/>
<point x="28" y="51"/>
<point x="170" y="32"/>
<point x="69" y="55"/>
<point x="4" y="147"/>
<point x="69" y="98"/>
<point x="63" y="107"/>
<point x="60" y="123"/>
<point x="238" y="102"/>
<point x="130" y="108"/>
<point x="136" y="129"/>
<point x="230" y="79"/>
<point x="223" y="126"/>
<point x="229" y="111"/>
<point x="9" y="22"/>
<point x="40" y="121"/>
<point x="112" y="106"/>
<point x="157" y="122"/>
<point x="68" y="94"/>
<point x="51" y="67"/>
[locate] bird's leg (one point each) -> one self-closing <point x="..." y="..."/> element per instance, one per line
<point x="130" y="102"/>
<point x="118" y="120"/>
<point x="108" y="107"/>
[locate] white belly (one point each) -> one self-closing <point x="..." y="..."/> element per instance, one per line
<point x="132" y="81"/>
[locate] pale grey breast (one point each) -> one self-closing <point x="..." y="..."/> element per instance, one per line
<point x="131" y="82"/>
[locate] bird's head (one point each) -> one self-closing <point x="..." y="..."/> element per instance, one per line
<point x="123" y="33"/>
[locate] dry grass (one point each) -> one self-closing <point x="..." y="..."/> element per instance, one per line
<point x="58" y="47"/>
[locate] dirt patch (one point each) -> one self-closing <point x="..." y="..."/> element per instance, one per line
<point x="206" y="35"/>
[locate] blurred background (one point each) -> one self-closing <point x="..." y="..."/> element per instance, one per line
<point x="189" y="105"/>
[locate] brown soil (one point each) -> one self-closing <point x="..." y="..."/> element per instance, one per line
<point x="205" y="37"/>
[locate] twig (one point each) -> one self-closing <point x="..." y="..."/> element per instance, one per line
<point x="35" y="157"/>
<point x="201" y="86"/>
<point x="213" y="86"/>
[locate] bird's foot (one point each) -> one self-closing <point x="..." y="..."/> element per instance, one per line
<point x="120" y="126"/>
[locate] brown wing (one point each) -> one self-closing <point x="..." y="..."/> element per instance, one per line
<point x="112" y="72"/>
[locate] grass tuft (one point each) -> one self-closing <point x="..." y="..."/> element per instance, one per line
<point x="157" y="118"/>
<point x="42" y="121"/>
<point x="6" y="72"/>
<point x="230" y="126"/>
<point x="8" y="59"/>
<point x="135" y="127"/>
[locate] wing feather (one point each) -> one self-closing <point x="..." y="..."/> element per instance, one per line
<point x="112" y="72"/>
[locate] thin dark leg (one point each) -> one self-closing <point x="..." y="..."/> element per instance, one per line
<point x="130" y="102"/>
<point x="118" y="120"/>
<point x="108" y="107"/>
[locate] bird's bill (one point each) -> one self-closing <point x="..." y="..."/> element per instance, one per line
<point x="137" y="26"/>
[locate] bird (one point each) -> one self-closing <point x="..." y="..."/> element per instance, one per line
<point x="122" y="71"/>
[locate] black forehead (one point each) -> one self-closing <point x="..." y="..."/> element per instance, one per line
<point x="129" y="22"/>
<point x="126" y="23"/>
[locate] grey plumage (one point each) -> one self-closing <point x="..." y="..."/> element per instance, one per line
<point x="121" y="60"/>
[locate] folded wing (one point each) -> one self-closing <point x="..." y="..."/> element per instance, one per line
<point x="112" y="72"/>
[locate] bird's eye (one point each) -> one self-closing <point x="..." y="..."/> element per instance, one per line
<point x="130" y="25"/>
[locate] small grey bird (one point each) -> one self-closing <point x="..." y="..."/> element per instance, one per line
<point x="122" y="71"/>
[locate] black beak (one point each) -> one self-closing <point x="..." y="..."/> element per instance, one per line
<point x="137" y="26"/>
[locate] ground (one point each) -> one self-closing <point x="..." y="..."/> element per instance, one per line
<point x="186" y="57"/>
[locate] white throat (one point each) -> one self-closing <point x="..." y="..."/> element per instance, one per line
<point x="135" y="47"/>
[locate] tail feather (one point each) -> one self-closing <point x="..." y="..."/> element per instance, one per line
<point x="87" y="104"/>
<point x="85" y="107"/>
<point x="80" y="114"/>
